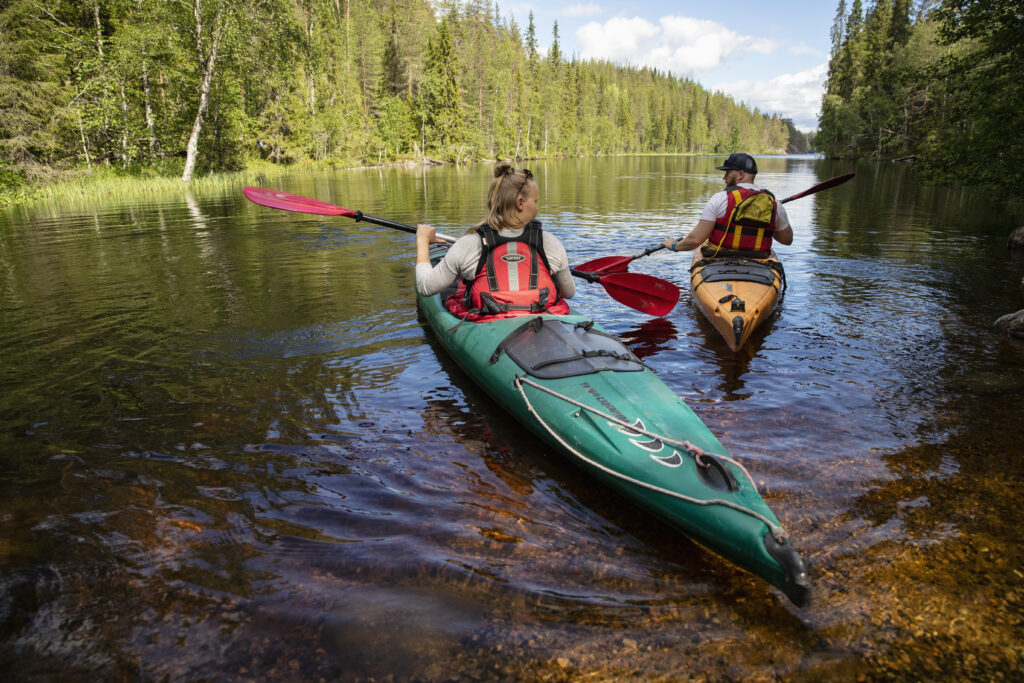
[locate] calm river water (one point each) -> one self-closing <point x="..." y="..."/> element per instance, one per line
<point x="231" y="451"/>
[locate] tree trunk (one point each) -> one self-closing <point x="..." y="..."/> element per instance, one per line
<point x="85" y="147"/>
<point x="206" y="68"/>
<point x="311" y="79"/>
<point x="124" y="127"/>
<point x="99" y="29"/>
<point x="150" y="126"/>
<point x="99" y="51"/>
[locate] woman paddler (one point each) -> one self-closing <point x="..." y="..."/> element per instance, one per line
<point x="507" y="265"/>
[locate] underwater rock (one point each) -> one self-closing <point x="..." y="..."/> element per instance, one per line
<point x="1016" y="240"/>
<point x="1012" y="324"/>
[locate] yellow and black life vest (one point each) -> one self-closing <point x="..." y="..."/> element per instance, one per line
<point x="748" y="223"/>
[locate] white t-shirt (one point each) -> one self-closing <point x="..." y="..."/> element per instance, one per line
<point x="462" y="258"/>
<point x="719" y="202"/>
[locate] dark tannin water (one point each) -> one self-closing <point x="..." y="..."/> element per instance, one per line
<point x="231" y="450"/>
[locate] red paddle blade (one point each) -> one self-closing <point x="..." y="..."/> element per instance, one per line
<point x="645" y="293"/>
<point x="293" y="202"/>
<point x="606" y="265"/>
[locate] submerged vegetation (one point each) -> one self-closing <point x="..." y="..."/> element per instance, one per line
<point x="150" y="87"/>
<point x="935" y="81"/>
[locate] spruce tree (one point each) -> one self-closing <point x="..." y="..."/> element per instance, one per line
<point x="440" y="99"/>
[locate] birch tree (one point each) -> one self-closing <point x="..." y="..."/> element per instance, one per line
<point x="210" y="19"/>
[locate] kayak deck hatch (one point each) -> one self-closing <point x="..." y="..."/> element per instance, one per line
<point x="736" y="293"/>
<point x="554" y="349"/>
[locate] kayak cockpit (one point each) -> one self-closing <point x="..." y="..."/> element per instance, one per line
<point x="749" y="270"/>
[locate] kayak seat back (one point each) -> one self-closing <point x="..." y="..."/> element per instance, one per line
<point x="717" y="271"/>
<point x="552" y="349"/>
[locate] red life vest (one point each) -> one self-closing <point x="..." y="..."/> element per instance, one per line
<point x="748" y="222"/>
<point x="512" y="278"/>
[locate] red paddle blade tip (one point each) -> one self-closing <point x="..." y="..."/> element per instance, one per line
<point x="276" y="199"/>
<point x="605" y="265"/>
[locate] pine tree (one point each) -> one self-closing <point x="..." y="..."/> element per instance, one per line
<point x="393" y="79"/>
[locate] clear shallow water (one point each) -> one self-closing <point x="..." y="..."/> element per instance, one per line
<point x="231" y="450"/>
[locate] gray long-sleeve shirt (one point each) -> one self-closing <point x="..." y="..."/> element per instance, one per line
<point x="461" y="260"/>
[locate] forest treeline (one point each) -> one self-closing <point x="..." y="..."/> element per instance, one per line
<point x="937" y="81"/>
<point x="206" y="85"/>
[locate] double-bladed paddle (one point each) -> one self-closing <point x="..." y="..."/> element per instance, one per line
<point x="618" y="264"/>
<point x="645" y="293"/>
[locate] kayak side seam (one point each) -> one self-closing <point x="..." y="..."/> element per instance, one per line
<point x="777" y="531"/>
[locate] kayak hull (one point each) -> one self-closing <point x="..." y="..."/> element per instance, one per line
<point x="735" y="294"/>
<point x="611" y="415"/>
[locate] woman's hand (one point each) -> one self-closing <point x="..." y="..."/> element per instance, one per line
<point x="428" y="234"/>
<point x="425" y="236"/>
<point x="425" y="233"/>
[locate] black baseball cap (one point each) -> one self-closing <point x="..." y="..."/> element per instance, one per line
<point x="739" y="161"/>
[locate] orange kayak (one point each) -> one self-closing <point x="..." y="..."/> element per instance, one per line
<point x="735" y="294"/>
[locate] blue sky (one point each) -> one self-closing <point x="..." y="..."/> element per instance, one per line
<point x="771" y="55"/>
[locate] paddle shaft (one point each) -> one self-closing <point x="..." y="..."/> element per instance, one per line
<point x="360" y="216"/>
<point x="405" y="227"/>
<point x="632" y="292"/>
<point x="584" y="275"/>
<point x="824" y="185"/>
<point x="643" y="292"/>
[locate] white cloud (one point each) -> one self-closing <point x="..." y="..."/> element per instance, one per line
<point x="581" y="10"/>
<point x="682" y="45"/>
<point x="796" y="96"/>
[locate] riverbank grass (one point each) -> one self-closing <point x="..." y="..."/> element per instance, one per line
<point x="107" y="182"/>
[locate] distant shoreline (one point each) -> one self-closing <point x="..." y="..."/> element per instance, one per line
<point x="108" y="182"/>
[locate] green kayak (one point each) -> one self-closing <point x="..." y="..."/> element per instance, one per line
<point x="583" y="392"/>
